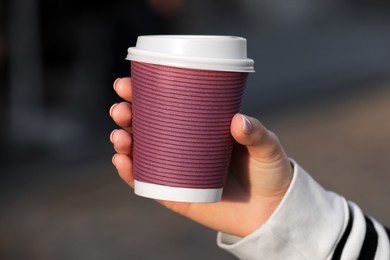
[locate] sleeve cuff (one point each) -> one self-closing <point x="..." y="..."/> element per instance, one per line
<point x="306" y="225"/>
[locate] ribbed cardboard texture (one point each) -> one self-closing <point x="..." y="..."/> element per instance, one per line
<point x="181" y="124"/>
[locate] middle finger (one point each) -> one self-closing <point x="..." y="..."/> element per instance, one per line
<point x="122" y="141"/>
<point x="121" y="113"/>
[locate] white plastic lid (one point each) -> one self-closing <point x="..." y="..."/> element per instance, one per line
<point x="223" y="53"/>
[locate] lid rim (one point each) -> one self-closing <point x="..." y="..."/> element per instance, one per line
<point x="220" y="64"/>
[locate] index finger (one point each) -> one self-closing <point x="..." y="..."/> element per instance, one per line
<point x="122" y="86"/>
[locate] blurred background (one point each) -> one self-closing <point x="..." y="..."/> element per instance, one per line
<point x="322" y="84"/>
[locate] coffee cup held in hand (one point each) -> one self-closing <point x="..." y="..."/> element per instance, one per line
<point x="186" y="89"/>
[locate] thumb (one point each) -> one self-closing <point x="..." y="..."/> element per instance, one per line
<point x="261" y="143"/>
<point x="269" y="168"/>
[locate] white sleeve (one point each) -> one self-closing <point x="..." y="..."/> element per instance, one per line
<point x="312" y="223"/>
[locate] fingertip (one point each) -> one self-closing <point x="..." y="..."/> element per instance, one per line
<point x="121" y="113"/>
<point x="122" y="141"/>
<point x="248" y="130"/>
<point x="123" y="88"/>
<point x="241" y="127"/>
<point x="124" y="167"/>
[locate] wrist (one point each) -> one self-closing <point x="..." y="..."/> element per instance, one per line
<point x="265" y="200"/>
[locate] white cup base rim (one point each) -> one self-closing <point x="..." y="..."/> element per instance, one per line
<point x="156" y="191"/>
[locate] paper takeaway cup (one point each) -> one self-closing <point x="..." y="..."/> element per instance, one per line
<point x="186" y="89"/>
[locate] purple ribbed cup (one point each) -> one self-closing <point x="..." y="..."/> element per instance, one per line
<point x="181" y="124"/>
<point x="186" y="89"/>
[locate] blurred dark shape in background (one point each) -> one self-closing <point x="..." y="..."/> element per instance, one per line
<point x="166" y="8"/>
<point x="58" y="60"/>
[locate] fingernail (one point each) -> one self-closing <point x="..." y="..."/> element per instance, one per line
<point x="112" y="108"/>
<point x="113" y="159"/>
<point x="116" y="81"/>
<point x="247" y="126"/>
<point x="112" y="134"/>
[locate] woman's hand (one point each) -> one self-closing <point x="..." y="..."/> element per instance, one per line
<point x="259" y="174"/>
